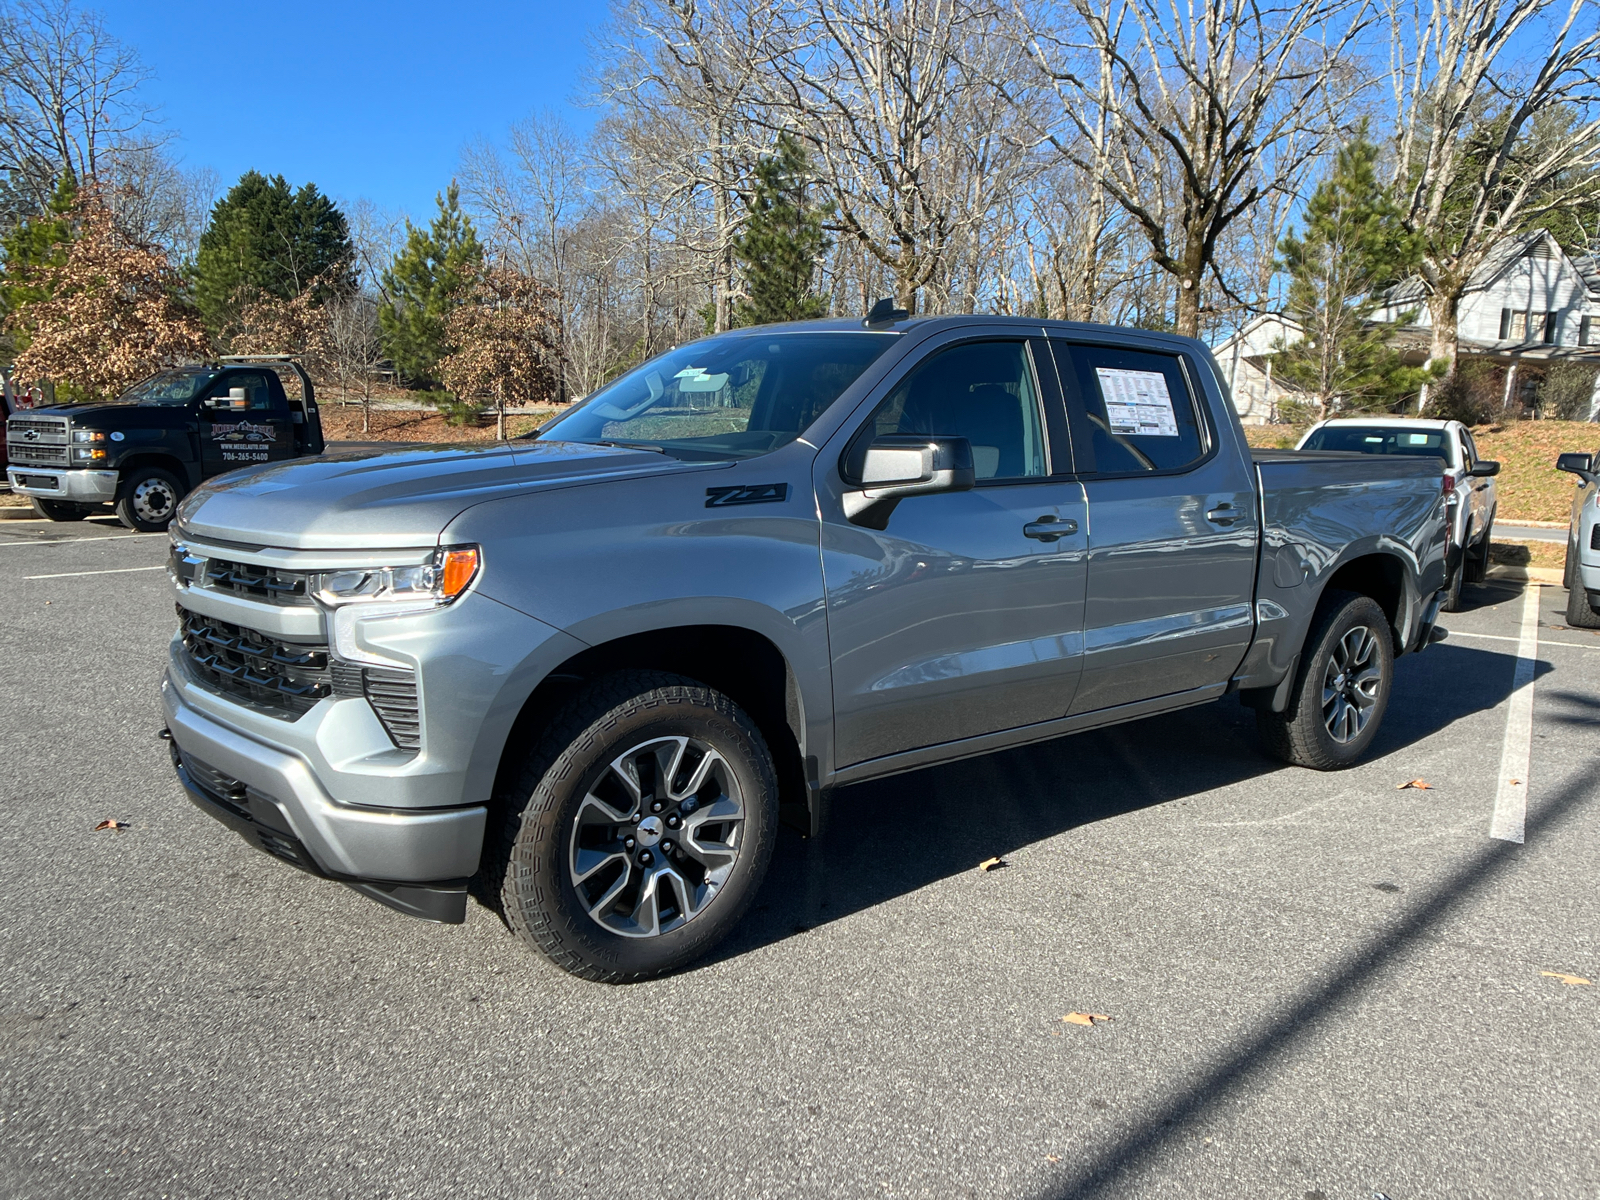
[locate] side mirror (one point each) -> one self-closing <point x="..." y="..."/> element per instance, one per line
<point x="893" y="467"/>
<point x="1581" y="465"/>
<point x="1484" y="468"/>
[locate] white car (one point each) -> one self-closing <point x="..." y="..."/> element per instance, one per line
<point x="1582" y="579"/>
<point x="1466" y="479"/>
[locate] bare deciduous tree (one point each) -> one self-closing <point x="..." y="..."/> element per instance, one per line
<point x="1490" y="142"/>
<point x="1190" y="114"/>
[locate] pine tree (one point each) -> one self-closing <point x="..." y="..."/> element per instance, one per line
<point x="266" y="239"/>
<point x="782" y="241"/>
<point x="41" y="240"/>
<point x="428" y="279"/>
<point x="1352" y="246"/>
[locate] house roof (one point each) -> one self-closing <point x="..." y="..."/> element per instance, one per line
<point x="1536" y="242"/>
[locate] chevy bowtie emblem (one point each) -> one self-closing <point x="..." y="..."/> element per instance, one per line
<point x="31" y="435"/>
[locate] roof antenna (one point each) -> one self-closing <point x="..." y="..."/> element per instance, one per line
<point x="883" y="312"/>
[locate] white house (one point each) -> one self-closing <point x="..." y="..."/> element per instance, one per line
<point x="1529" y="302"/>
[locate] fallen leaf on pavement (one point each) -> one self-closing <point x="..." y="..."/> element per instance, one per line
<point x="1078" y="1018"/>
<point x="1567" y="979"/>
<point x="1052" y="1158"/>
<point x="1421" y="785"/>
<point x="992" y="864"/>
<point x="110" y="823"/>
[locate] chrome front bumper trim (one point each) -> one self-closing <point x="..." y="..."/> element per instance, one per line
<point x="75" y="485"/>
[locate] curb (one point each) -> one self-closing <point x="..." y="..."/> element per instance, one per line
<point x="1525" y="574"/>
<point x="16" y="512"/>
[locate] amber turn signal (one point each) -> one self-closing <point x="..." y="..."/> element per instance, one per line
<point x="460" y="565"/>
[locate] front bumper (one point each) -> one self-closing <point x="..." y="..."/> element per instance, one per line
<point x="75" y="485"/>
<point x="417" y="860"/>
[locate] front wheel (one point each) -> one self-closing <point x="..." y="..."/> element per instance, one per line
<point x="639" y="830"/>
<point x="61" y="510"/>
<point x="1452" y="586"/>
<point x="1477" y="564"/>
<point x="148" y="500"/>
<point x="1341" y="689"/>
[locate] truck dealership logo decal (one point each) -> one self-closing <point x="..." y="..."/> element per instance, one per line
<point x="243" y="431"/>
<point x="750" y="493"/>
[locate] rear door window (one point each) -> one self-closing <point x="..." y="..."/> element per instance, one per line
<point x="1131" y="410"/>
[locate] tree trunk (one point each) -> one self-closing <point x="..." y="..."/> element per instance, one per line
<point x="1444" y="308"/>
<point x="1188" y="314"/>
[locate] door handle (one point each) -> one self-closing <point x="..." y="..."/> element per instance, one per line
<point x="1050" y="528"/>
<point x="1223" y="514"/>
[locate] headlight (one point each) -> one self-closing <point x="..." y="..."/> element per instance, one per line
<point x="87" y="454"/>
<point x="435" y="583"/>
<point x="362" y="596"/>
<point x="88" y="435"/>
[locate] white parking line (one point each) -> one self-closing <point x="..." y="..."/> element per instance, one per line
<point x="1500" y="637"/>
<point x="114" y="571"/>
<point x="110" y="537"/>
<point x="1516" y="752"/>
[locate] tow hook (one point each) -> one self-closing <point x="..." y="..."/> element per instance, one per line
<point x="165" y="735"/>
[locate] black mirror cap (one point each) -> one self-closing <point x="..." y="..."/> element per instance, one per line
<point x="1576" y="464"/>
<point x="1484" y="468"/>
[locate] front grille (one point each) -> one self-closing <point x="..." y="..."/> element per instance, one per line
<point x="46" y="428"/>
<point x="258" y="583"/>
<point x="32" y="454"/>
<point x="283" y="677"/>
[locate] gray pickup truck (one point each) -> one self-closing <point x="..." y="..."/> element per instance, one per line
<point x="585" y="675"/>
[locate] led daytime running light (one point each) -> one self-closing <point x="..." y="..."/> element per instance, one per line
<point x="434" y="583"/>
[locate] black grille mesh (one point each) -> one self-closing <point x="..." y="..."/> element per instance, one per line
<point x="286" y="676"/>
<point x="1594" y="537"/>
<point x="258" y="583"/>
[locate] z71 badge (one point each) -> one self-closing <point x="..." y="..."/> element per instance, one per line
<point x="749" y="493"/>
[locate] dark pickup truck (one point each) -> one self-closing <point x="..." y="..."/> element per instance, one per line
<point x="146" y="450"/>
<point x="584" y="675"/>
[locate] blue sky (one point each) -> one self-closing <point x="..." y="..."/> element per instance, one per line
<point x="361" y="98"/>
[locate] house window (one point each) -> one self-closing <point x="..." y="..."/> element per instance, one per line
<point x="1550" y="319"/>
<point x="1519" y="326"/>
<point x="1583" y="330"/>
<point x="1505" y="323"/>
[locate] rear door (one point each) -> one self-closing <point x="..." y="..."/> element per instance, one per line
<point x="964" y="616"/>
<point x="244" y="419"/>
<point x="1172" y="527"/>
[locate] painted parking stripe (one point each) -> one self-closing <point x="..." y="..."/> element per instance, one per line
<point x="1511" y="792"/>
<point x="110" y="537"/>
<point x="1500" y="637"/>
<point x="114" y="571"/>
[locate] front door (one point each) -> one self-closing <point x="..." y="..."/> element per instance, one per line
<point x="244" y="419"/>
<point x="1172" y="528"/>
<point x="964" y="616"/>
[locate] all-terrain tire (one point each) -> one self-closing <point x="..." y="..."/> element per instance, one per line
<point x="526" y="859"/>
<point x="1580" y="615"/>
<point x="1452" y="585"/>
<point x="61" y="510"/>
<point x="1300" y="734"/>
<point x="148" y="500"/>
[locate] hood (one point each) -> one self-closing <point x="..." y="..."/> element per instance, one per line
<point x="78" y="411"/>
<point x="391" y="499"/>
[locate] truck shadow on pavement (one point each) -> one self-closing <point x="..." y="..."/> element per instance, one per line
<point x="889" y="837"/>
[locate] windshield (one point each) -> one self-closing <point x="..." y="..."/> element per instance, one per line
<point x="732" y="396"/>
<point x="1381" y="439"/>
<point x="176" y="387"/>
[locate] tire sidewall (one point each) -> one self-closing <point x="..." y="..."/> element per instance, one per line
<point x="1360" y="611"/>
<point x="538" y="890"/>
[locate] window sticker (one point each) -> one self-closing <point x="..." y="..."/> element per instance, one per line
<point x="1417" y="439"/>
<point x="1137" y="402"/>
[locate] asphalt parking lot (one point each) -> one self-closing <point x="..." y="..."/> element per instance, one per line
<point x="1319" y="986"/>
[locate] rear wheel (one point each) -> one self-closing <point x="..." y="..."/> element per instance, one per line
<point x="149" y="500"/>
<point x="1452" y="586"/>
<point x="1580" y="615"/>
<point x="61" y="510"/>
<point x="639" y="830"/>
<point x="1341" y="689"/>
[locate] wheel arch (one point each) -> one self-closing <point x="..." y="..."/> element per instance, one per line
<point x="744" y="664"/>
<point x="1382" y="575"/>
<point x="153" y="458"/>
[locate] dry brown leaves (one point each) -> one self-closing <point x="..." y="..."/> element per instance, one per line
<point x="1085" y="1018"/>
<point x="1569" y="980"/>
<point x="111" y="823"/>
<point x="992" y="864"/>
<point x="1422" y="785"/>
